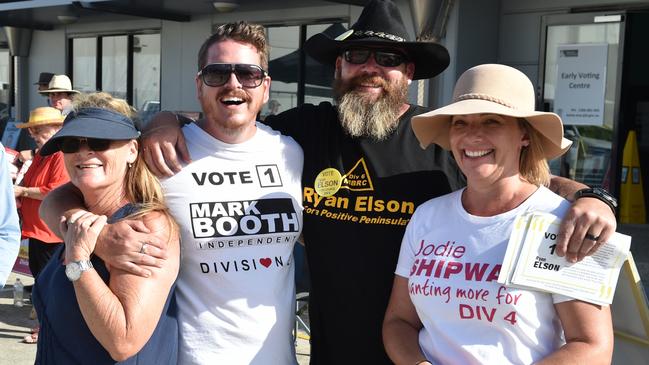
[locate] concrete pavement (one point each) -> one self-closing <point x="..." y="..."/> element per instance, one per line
<point x="15" y="324"/>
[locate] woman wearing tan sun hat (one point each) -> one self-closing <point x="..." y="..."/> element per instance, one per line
<point x="456" y="243"/>
<point x="44" y="174"/>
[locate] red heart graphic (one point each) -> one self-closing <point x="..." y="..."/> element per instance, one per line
<point x="266" y="262"/>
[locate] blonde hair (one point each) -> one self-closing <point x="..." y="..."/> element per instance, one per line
<point x="141" y="186"/>
<point x="103" y="100"/>
<point x="533" y="165"/>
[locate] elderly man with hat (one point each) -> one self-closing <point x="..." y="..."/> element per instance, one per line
<point x="59" y="93"/>
<point x="364" y="174"/>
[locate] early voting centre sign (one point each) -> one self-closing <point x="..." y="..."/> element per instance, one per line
<point x="581" y="81"/>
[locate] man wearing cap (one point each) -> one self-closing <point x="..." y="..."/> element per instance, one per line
<point x="364" y="174"/>
<point x="59" y="93"/>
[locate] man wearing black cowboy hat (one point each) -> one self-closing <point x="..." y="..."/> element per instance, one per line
<point x="44" y="80"/>
<point x="364" y="174"/>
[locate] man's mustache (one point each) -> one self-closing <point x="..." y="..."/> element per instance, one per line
<point x="373" y="80"/>
<point x="233" y="93"/>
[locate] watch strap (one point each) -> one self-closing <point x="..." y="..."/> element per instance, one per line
<point x="85" y="265"/>
<point x="600" y="194"/>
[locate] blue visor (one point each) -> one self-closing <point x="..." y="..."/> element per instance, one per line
<point x="93" y="123"/>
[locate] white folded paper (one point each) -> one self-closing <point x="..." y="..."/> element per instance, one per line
<point x="531" y="262"/>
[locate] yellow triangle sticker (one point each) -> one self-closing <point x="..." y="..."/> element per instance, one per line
<point x="358" y="178"/>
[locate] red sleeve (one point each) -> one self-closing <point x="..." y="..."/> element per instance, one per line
<point x="58" y="174"/>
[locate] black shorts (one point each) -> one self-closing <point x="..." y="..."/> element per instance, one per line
<point x="39" y="254"/>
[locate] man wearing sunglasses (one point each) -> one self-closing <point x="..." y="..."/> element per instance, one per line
<point x="238" y="206"/>
<point x="364" y="174"/>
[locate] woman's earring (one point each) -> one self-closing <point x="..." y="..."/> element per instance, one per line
<point x="130" y="165"/>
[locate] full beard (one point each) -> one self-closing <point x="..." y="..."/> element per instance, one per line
<point x="361" y="115"/>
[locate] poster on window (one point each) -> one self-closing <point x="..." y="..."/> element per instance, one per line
<point x="11" y="134"/>
<point x="581" y="83"/>
<point x="22" y="261"/>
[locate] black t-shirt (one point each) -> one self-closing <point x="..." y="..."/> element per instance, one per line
<point x="353" y="237"/>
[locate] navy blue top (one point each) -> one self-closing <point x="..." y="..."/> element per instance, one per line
<point x="64" y="337"/>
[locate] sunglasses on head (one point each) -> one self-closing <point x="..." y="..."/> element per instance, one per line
<point x="73" y="144"/>
<point x="385" y="58"/>
<point x="218" y="74"/>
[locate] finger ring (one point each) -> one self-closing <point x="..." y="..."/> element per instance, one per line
<point x="143" y="247"/>
<point x="591" y="237"/>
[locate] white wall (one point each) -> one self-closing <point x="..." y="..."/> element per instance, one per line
<point x="180" y="45"/>
<point x="471" y="39"/>
<point x="47" y="54"/>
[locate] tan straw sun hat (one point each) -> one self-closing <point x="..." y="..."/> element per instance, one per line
<point x="492" y="89"/>
<point x="43" y="116"/>
<point x="59" y="84"/>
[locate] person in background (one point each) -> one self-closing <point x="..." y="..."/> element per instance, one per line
<point x="43" y="82"/>
<point x="502" y="147"/>
<point x="60" y="93"/>
<point x="43" y="175"/>
<point x="9" y="225"/>
<point x="90" y="313"/>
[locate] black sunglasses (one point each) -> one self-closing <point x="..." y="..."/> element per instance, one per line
<point x="73" y="144"/>
<point x="385" y="58"/>
<point x="218" y="74"/>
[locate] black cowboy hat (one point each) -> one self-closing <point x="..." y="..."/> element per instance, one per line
<point x="44" y="78"/>
<point x="380" y="25"/>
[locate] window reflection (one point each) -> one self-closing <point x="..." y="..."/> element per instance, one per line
<point x="84" y="64"/>
<point x="284" y="68"/>
<point x="143" y="92"/>
<point x="114" y="65"/>
<point x="146" y="75"/>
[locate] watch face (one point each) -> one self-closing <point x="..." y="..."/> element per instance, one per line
<point x="73" y="271"/>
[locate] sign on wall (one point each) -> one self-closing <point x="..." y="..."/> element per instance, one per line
<point x="11" y="134"/>
<point x="581" y="81"/>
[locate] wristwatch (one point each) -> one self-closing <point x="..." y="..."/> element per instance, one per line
<point x="598" y="193"/>
<point x="74" y="269"/>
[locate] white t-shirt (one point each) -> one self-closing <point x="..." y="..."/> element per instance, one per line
<point x="240" y="212"/>
<point x="451" y="260"/>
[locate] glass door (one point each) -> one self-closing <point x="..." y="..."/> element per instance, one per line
<point x="580" y="78"/>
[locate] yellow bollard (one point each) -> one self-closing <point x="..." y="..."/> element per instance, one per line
<point x="632" y="209"/>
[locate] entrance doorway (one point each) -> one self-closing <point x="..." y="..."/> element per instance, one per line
<point x="580" y="73"/>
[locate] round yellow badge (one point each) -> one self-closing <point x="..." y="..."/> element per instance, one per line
<point x="328" y="182"/>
